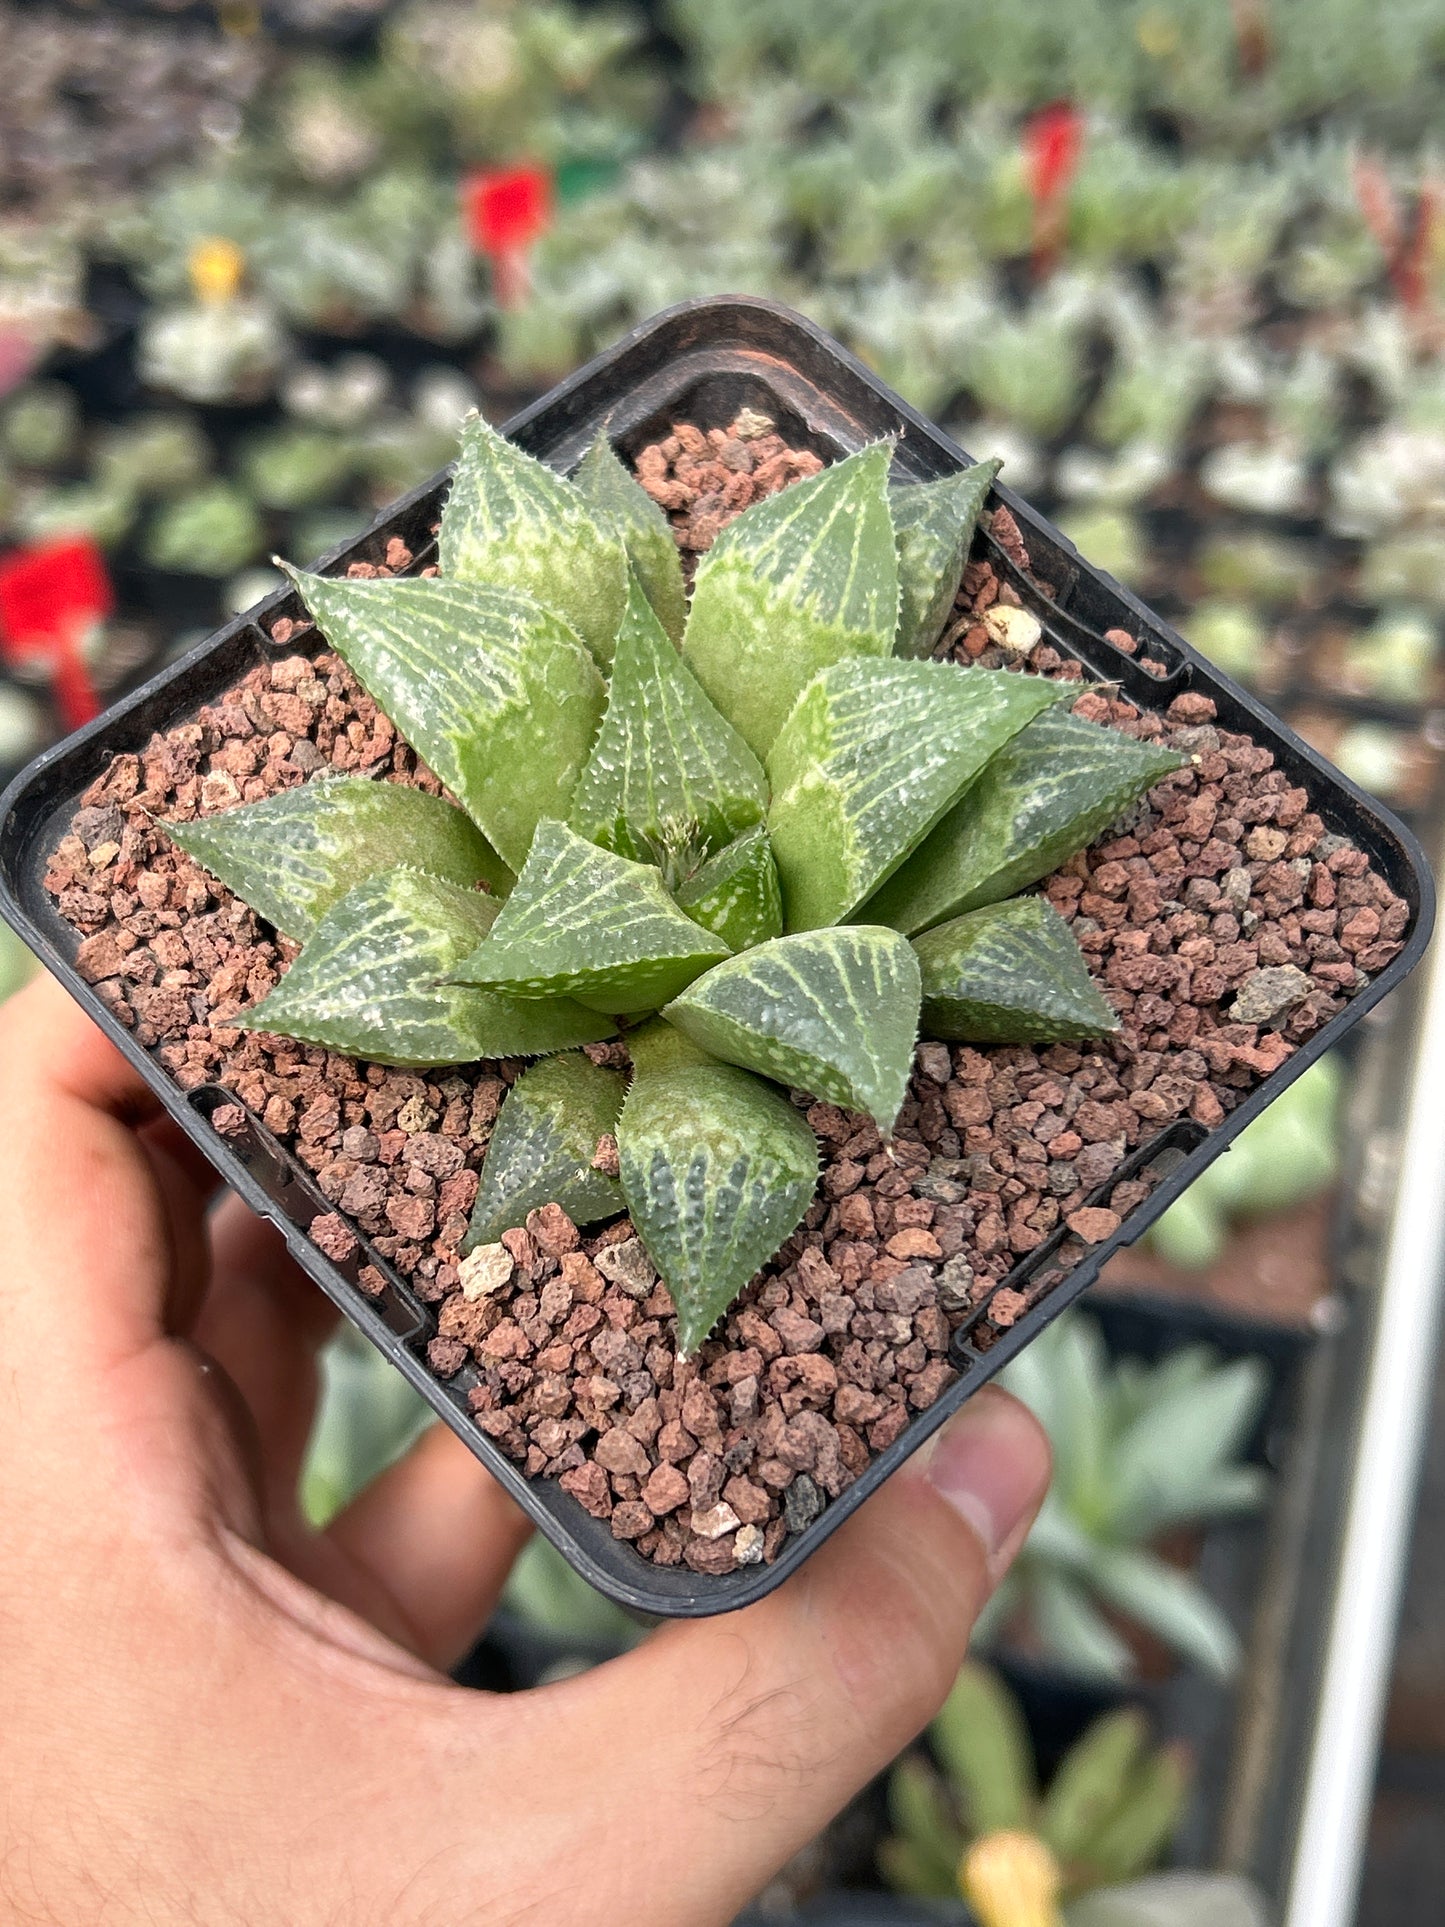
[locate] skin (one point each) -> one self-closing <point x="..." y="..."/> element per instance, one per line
<point x="213" y="1714"/>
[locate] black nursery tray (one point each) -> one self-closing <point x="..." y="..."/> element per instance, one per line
<point x="701" y="362"/>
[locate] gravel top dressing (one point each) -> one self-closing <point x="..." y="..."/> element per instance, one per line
<point x="1222" y="922"/>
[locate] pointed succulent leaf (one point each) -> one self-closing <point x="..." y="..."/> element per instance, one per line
<point x="736" y="893"/>
<point x="926" y="1829"/>
<point x="1091" y="1782"/>
<point x="1072" y="1629"/>
<point x="513" y="523"/>
<point x="1046" y="794"/>
<point x="615" y="493"/>
<point x="870" y="759"/>
<point x="1203" y="1424"/>
<point x="1144" y="1823"/>
<point x="982" y="1741"/>
<point x="668" y="780"/>
<point x="717" y="1170"/>
<point x="499" y="696"/>
<point x="585" y="923"/>
<point x="543" y="1144"/>
<point x="934" y="523"/>
<point x="1169" y="1603"/>
<point x="833" y="1012"/>
<point x="802" y="579"/>
<point x="372" y="983"/>
<point x="292" y="855"/>
<point x="1010" y="973"/>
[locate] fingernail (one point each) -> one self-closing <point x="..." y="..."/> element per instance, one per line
<point x="990" y="1463"/>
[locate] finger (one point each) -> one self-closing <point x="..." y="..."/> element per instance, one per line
<point x="185" y="1194"/>
<point x="263" y="1322"/>
<point x="164" y="1133"/>
<point x="85" y="1224"/>
<point x="438" y="1536"/>
<point x="760" y="1725"/>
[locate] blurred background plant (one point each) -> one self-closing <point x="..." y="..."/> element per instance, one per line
<point x="1144" y="1455"/>
<point x="972" y="1815"/>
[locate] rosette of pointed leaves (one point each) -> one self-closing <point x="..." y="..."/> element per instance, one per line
<point x="759" y="831"/>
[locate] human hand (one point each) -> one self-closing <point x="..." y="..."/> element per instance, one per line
<point x="213" y="1714"/>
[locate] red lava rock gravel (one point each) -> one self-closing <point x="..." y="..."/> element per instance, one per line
<point x="1223" y="922"/>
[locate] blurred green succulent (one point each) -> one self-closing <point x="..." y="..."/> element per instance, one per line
<point x="292" y="468"/>
<point x="213" y="531"/>
<point x="153" y="454"/>
<point x="1231" y="634"/>
<point x="979" y="1823"/>
<point x="105" y="514"/>
<point x="1395" y="659"/>
<point x="367" y="1417"/>
<point x="1139" y="1451"/>
<point x="1288" y="1155"/>
<point x="40" y="425"/>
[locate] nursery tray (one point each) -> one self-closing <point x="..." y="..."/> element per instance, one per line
<point x="701" y="361"/>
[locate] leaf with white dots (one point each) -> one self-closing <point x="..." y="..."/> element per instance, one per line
<point x="868" y="762"/>
<point x="1049" y="792"/>
<point x="292" y="855"/>
<point x="646" y="534"/>
<point x="497" y="694"/>
<point x="1010" y="973"/>
<point x="543" y="1145"/>
<point x="801" y="579"/>
<point x="513" y="523"/>
<point x="934" y="523"/>
<point x="373" y="982"/>
<point x="584" y="923"/>
<point x="736" y="893"/>
<point x="832" y="1012"/>
<point x="717" y="1170"/>
<point x="668" y="780"/>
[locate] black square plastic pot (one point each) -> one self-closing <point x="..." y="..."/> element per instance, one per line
<point x="700" y="362"/>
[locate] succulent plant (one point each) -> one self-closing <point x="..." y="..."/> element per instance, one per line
<point x="721" y="848"/>
<point x="1394" y="659"/>
<point x="213" y="351"/>
<point x="40" y="424"/>
<point x="983" y="1826"/>
<point x="212" y="531"/>
<point x="1139" y="1451"/>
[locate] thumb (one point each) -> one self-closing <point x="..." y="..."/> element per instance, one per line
<point x="735" y="1739"/>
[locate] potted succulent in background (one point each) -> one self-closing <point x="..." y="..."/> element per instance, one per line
<point x="978" y="1824"/>
<point x="1141" y="1454"/>
<point x="971" y="1817"/>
